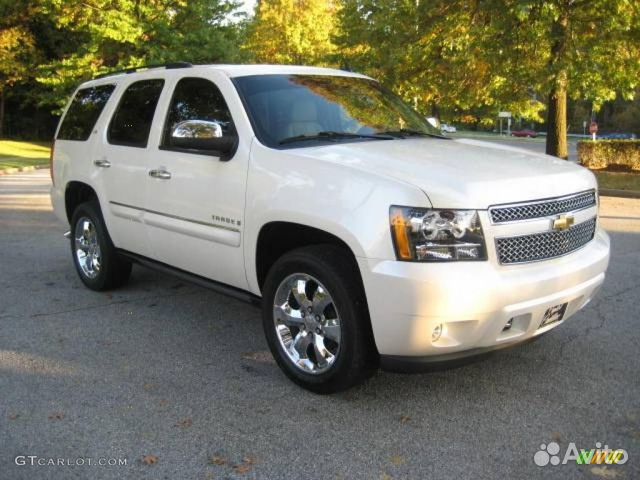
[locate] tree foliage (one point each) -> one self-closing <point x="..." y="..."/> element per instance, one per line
<point x="294" y="32"/>
<point x="439" y="54"/>
<point x="117" y="34"/>
<point x="580" y="49"/>
<point x="18" y="50"/>
<point x="467" y="58"/>
<point x="585" y="37"/>
<point x="470" y="55"/>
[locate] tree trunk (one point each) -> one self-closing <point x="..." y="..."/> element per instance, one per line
<point x="557" y="122"/>
<point x="1" y="112"/>
<point x="557" y="110"/>
<point x="435" y="111"/>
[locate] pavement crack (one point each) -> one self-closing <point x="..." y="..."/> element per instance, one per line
<point x="601" y="320"/>
<point x="597" y="306"/>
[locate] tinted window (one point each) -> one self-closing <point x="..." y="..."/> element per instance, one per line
<point x="197" y="99"/>
<point x="131" y="123"/>
<point x="83" y="112"/>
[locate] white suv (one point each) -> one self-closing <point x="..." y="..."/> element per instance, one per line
<point x="368" y="237"/>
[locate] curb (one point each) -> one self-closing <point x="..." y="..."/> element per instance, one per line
<point x="619" y="193"/>
<point x="30" y="168"/>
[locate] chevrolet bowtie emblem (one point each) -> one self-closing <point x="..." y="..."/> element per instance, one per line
<point x="563" y="222"/>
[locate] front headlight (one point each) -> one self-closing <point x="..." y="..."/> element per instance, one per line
<point x="429" y="235"/>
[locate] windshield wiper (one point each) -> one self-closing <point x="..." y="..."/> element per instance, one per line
<point x="329" y="135"/>
<point x="407" y="132"/>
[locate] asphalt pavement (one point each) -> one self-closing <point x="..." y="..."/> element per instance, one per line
<point x="166" y="380"/>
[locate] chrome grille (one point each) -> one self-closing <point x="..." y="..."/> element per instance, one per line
<point x="542" y="246"/>
<point x="542" y="208"/>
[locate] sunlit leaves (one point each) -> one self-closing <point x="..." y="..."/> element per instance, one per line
<point x="461" y="56"/>
<point x="293" y="32"/>
<point x="17" y="51"/>
<point x="118" y="34"/>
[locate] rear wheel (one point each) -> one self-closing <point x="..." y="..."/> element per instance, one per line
<point x="96" y="260"/>
<point x="316" y="321"/>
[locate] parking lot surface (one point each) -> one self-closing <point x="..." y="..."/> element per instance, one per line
<point x="177" y="382"/>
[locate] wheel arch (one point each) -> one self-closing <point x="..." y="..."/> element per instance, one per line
<point x="76" y="193"/>
<point x="276" y="238"/>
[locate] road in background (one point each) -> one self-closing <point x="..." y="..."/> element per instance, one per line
<point x="178" y="381"/>
<point x="534" y="144"/>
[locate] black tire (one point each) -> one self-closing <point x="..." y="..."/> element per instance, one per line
<point x="357" y="358"/>
<point x="114" y="270"/>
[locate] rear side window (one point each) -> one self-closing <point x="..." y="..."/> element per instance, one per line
<point x="197" y="99"/>
<point x="83" y="112"/>
<point x="131" y="123"/>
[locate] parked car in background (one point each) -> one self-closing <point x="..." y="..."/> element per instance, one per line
<point x="524" y="133"/>
<point x="617" y="136"/>
<point x="447" y="128"/>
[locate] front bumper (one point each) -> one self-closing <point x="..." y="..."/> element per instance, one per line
<point x="446" y="361"/>
<point x="473" y="301"/>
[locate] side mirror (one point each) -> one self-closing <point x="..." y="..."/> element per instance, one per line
<point x="202" y="135"/>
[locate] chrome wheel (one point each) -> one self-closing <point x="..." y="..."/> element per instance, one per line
<point x="307" y="323"/>
<point x="87" y="247"/>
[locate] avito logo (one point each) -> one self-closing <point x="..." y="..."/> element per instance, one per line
<point x="550" y="454"/>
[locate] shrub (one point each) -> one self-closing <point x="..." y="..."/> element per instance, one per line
<point x="608" y="153"/>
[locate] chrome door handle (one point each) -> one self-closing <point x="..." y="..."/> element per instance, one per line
<point x="161" y="174"/>
<point x="102" y="163"/>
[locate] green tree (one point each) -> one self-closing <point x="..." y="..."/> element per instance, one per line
<point x="293" y="32"/>
<point x="18" y="51"/>
<point x="467" y="55"/>
<point x="117" y="34"/>
<point x="431" y="52"/>
<point x="583" y="49"/>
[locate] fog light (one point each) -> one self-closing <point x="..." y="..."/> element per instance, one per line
<point x="437" y="332"/>
<point x="508" y="325"/>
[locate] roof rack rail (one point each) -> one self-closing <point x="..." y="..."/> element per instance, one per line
<point x="167" y="66"/>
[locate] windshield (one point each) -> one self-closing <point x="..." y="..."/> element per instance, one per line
<point x="298" y="110"/>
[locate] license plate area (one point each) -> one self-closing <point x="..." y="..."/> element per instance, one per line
<point x="554" y="314"/>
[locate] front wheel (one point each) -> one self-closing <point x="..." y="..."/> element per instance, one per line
<point x="316" y="320"/>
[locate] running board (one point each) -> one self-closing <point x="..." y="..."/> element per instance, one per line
<point x="192" y="278"/>
<point x="67" y="234"/>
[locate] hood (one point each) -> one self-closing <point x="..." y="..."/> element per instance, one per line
<point x="461" y="173"/>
